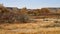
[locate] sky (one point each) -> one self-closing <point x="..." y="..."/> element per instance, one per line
<point x="31" y="4"/>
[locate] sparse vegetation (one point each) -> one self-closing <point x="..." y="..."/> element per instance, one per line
<point x="12" y="19"/>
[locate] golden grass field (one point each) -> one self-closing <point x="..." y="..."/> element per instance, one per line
<point x="29" y="28"/>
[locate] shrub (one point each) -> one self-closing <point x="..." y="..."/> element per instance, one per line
<point x="57" y="23"/>
<point x="7" y="16"/>
<point x="22" y="18"/>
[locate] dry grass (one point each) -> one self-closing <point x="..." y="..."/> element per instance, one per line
<point x="29" y="28"/>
